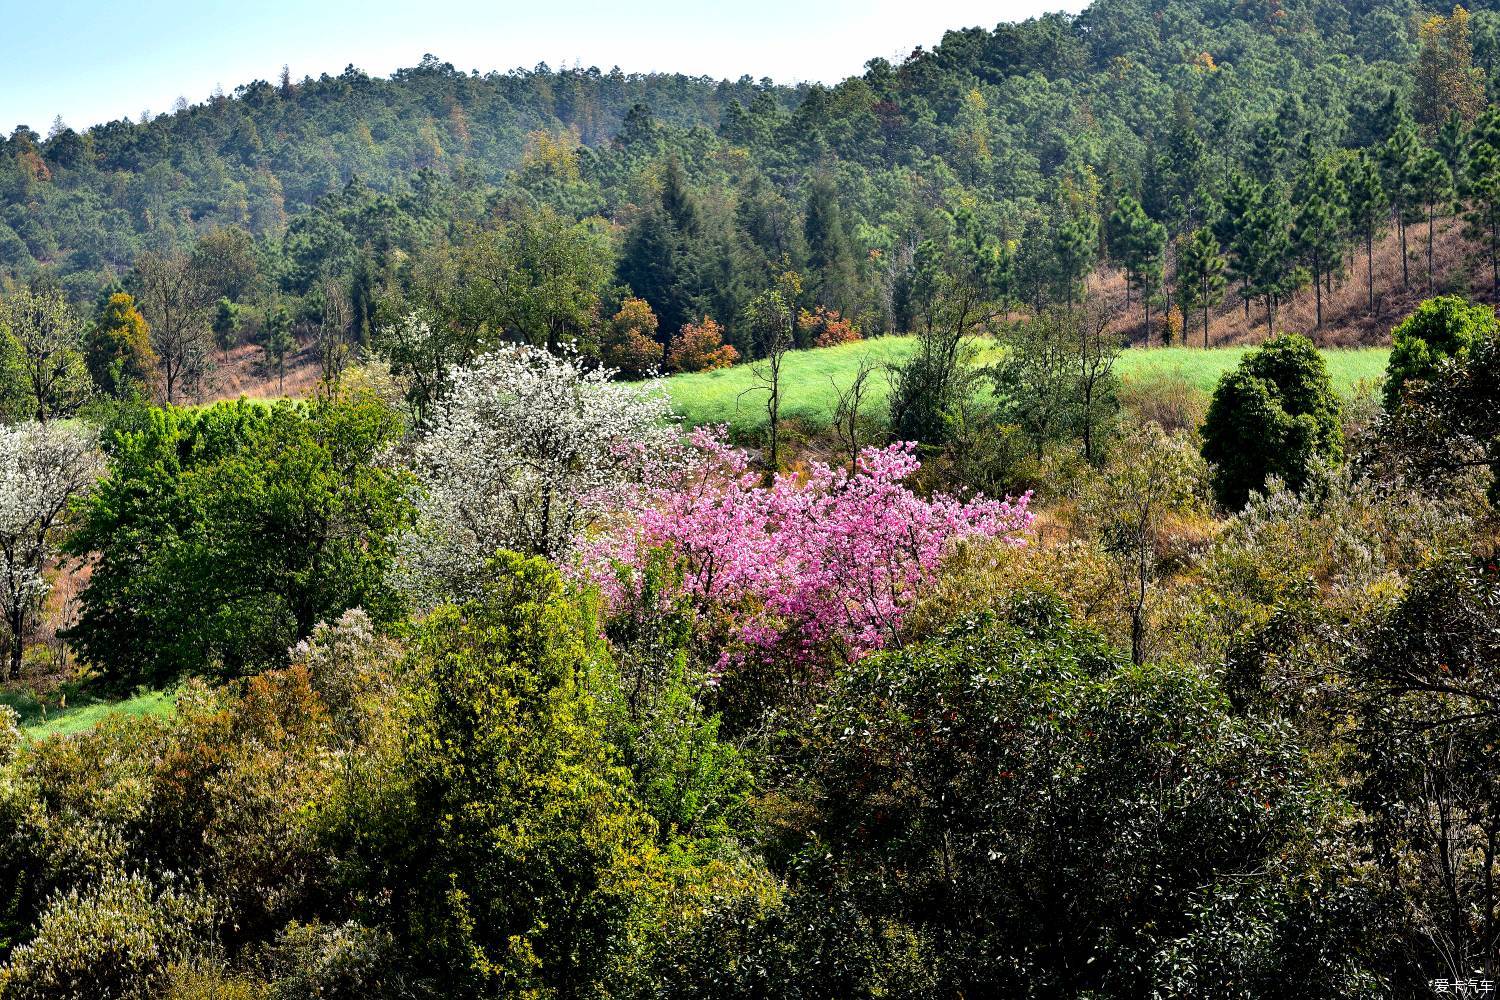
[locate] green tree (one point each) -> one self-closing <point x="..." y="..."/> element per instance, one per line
<point x="1139" y="244"/>
<point x="1276" y="414"/>
<point x="1266" y="244"/>
<point x="1447" y="81"/>
<point x="277" y="341"/>
<point x="1482" y="172"/>
<point x="220" y="536"/>
<point x="1368" y="207"/>
<point x="226" y="325"/>
<point x="1441" y="328"/>
<point x="1432" y="186"/>
<point x="1318" y="229"/>
<point x="1398" y="163"/>
<point x="500" y="831"/>
<point x="1200" y="276"/>
<point x="47" y="341"/>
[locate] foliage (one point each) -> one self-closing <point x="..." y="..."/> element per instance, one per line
<point x="810" y="569"/>
<point x="44" y="470"/>
<point x="629" y="343"/>
<point x="1044" y="818"/>
<point x="221" y="536"/>
<point x="1440" y="328"/>
<point x="117" y="349"/>
<point x="1274" y="415"/>
<point x="700" y="347"/>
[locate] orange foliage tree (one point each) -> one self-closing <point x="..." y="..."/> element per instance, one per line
<point x="700" y="347"/>
<point x="630" y="341"/>
<point x="826" y="328"/>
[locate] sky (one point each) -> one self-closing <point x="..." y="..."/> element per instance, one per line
<point x="92" y="61"/>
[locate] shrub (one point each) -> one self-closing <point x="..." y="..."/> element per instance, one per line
<point x="700" y="347"/>
<point x="825" y="328"/>
<point x="1440" y="328"/>
<point x="1274" y="415"/>
<point x="630" y="343"/>
<point x="115" y="939"/>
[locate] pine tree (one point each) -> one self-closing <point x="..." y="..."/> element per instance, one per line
<point x="1268" y="248"/>
<point x="1073" y="244"/>
<point x="1367" y="204"/>
<point x="1432" y="186"/>
<point x="1200" y="279"/>
<point x="1483" y="184"/>
<point x="1398" y="163"/>
<point x="1317" y="233"/>
<point x="1240" y="196"/>
<point x="830" y="261"/>
<point x="1138" y="243"/>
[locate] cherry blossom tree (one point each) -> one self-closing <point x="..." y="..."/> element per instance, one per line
<point x="829" y="558"/>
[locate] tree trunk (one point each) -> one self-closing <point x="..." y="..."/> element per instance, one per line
<point x="1205" y="323"/>
<point x="1370" y="264"/>
<point x="1401" y="225"/>
<point x="1318" y="297"/>
<point x="1430" y="213"/>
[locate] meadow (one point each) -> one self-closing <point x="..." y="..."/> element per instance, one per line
<point x="810" y="378"/>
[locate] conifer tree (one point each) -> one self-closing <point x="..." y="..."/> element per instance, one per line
<point x="1200" y="279"/>
<point x="1367" y="205"/>
<point x="1432" y="185"/>
<point x="1317" y="232"/>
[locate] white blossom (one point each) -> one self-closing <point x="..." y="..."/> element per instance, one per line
<point x="43" y="468"/>
<point x="528" y="450"/>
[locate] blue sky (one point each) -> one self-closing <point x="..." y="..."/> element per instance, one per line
<point x="99" y="60"/>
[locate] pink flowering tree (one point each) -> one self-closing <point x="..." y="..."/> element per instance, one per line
<point x="818" y="562"/>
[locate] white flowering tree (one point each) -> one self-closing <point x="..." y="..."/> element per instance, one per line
<point x="43" y="468"/>
<point x="527" y="451"/>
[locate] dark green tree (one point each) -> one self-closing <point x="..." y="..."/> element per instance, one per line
<point x="1277" y="415"/>
<point x="1200" y="276"/>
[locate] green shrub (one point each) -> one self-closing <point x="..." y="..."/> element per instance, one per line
<point x="1274" y="415"/>
<point x="1441" y="328"/>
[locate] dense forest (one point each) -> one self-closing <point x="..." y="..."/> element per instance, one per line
<point x="465" y="664"/>
<point x="1189" y="144"/>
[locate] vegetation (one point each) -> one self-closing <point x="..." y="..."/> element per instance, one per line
<point x="979" y="654"/>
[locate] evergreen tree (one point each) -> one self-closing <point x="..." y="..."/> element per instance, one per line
<point x="1200" y="281"/>
<point x="1368" y="205"/>
<point x="1267" y="244"/>
<point x="1432" y="185"/>
<point x="1239" y="199"/>
<point x="1483" y="184"/>
<point x="1317" y="232"/>
<point x="1139" y="244"/>
<point x="1398" y="164"/>
<point x="1073" y="244"/>
<point x="830" y="261"/>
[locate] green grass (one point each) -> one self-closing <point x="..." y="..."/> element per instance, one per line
<point x="1202" y="369"/>
<point x="808" y="395"/>
<point x="40" y="720"/>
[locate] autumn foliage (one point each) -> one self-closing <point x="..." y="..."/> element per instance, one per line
<point x="700" y="347"/>
<point x="630" y="343"/>
<point x="825" y="328"/>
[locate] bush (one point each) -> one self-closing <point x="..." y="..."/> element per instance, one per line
<point x="1275" y="415"/>
<point x="115" y="939"/>
<point x="1441" y="328"/>
<point x="700" y="347"/>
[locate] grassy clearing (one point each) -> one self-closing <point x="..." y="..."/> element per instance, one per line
<point x="40" y="720"/>
<point x="808" y="378"/>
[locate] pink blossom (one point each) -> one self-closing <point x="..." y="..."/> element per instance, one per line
<point x="813" y="561"/>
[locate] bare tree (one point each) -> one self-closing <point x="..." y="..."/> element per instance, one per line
<point x="773" y="318"/>
<point x="849" y="415"/>
<point x="176" y="298"/>
<point x="43" y="469"/>
<point x="333" y="332"/>
<point x="1099" y="349"/>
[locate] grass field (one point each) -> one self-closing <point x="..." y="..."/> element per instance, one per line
<point x="39" y="721"/>
<point x="808" y="378"/>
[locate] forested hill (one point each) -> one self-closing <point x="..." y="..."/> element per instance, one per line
<point x="1049" y="146"/>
